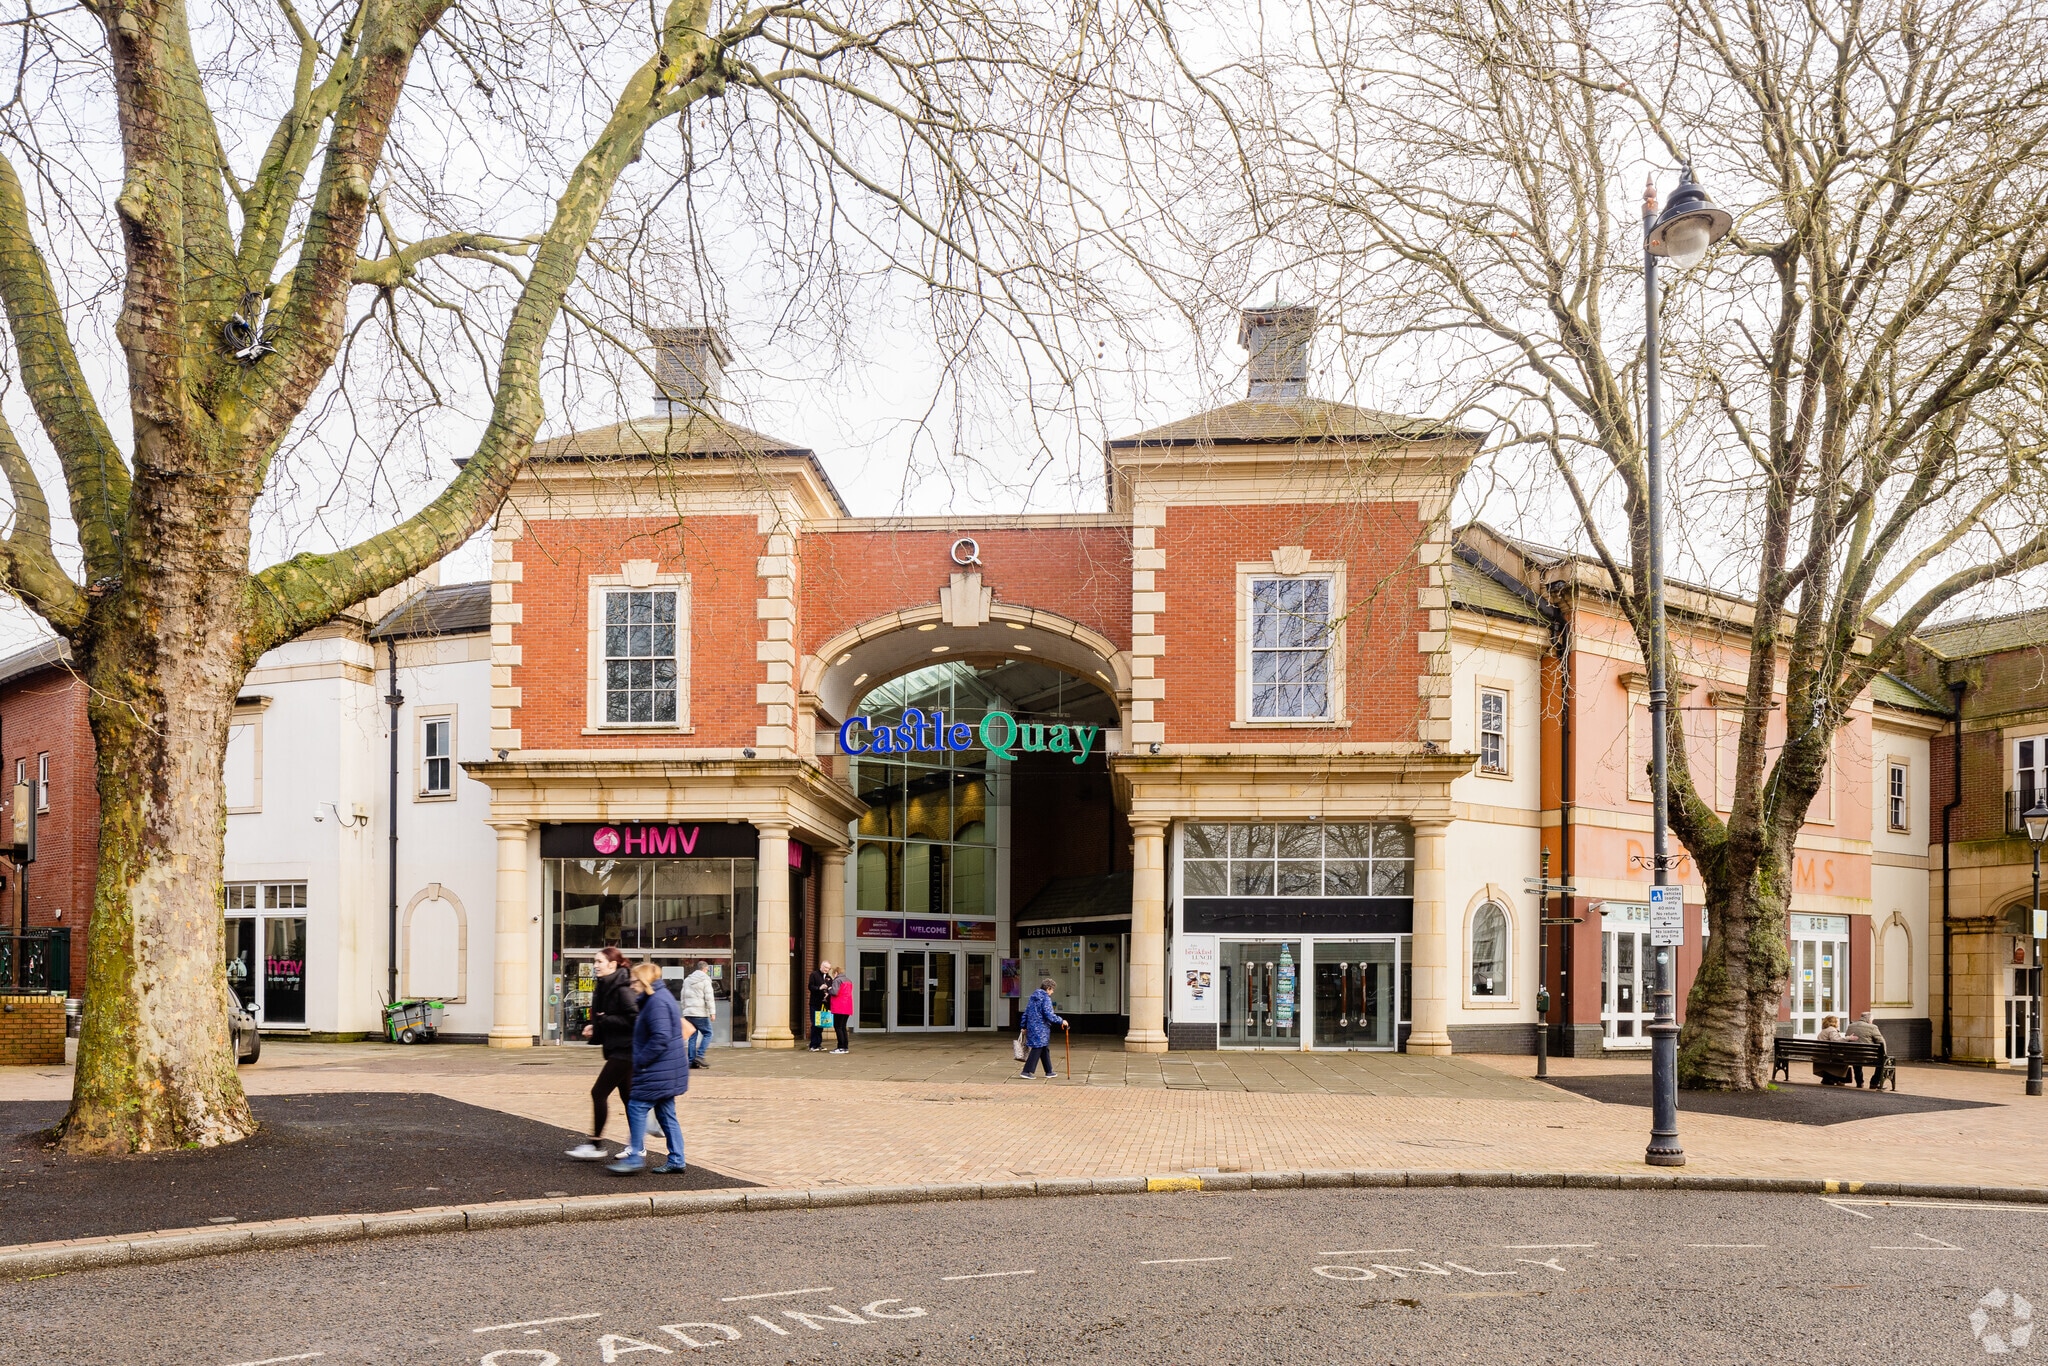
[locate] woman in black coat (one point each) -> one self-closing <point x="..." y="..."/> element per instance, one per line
<point x="614" y="1005"/>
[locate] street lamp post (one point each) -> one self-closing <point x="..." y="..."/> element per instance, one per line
<point x="2036" y="821"/>
<point x="1689" y="224"/>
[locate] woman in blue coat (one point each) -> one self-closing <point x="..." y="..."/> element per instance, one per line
<point x="1039" y="1018"/>
<point x="661" y="1072"/>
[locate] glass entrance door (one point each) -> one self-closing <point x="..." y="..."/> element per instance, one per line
<point x="2019" y="1013"/>
<point x="927" y="992"/>
<point x="1624" y="987"/>
<point x="284" y="970"/>
<point x="1355" y="1003"/>
<point x="1820" y="983"/>
<point x="1260" y="1007"/>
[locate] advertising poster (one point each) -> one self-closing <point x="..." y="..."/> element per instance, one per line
<point x="1012" y="979"/>
<point x="1196" y="984"/>
<point x="1283" y="991"/>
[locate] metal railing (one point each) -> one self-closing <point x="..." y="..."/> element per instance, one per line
<point x="37" y="962"/>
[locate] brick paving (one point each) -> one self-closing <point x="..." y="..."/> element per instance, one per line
<point x="932" y="1109"/>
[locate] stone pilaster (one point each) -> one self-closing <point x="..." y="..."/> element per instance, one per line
<point x="1428" y="1009"/>
<point x="1148" y="938"/>
<point x="768" y="1024"/>
<point x="512" y="1014"/>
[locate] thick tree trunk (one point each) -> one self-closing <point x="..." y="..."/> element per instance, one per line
<point x="156" y="1065"/>
<point x="1731" y="1013"/>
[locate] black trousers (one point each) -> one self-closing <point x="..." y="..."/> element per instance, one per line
<point x="617" y="1075"/>
<point x="839" y="1028"/>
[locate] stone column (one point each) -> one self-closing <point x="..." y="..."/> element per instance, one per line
<point x="1432" y="947"/>
<point x="1148" y="938"/>
<point x="832" y="908"/>
<point x="768" y="1024"/>
<point x="512" y="1014"/>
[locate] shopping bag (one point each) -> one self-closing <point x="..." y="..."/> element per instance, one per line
<point x="822" y="1019"/>
<point x="1017" y="1046"/>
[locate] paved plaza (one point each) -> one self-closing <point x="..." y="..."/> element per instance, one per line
<point x="951" y="1109"/>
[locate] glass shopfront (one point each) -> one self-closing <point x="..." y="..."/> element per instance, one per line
<point x="1294" y="935"/>
<point x="924" y="894"/>
<point x="692" y="900"/>
<point x="264" y="935"/>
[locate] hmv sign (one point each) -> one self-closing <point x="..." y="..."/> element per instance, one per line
<point x="639" y="839"/>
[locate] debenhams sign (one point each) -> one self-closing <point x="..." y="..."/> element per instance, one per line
<point x="999" y="733"/>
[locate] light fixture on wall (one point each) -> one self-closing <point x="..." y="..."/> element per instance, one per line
<point x="357" y="816"/>
<point x="747" y="753"/>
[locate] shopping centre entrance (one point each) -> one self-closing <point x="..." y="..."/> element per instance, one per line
<point x="992" y="853"/>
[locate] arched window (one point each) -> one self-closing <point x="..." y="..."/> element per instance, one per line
<point x="1490" y="951"/>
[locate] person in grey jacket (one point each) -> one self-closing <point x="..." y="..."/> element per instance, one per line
<point x="700" y="1008"/>
<point x="1863" y="1031"/>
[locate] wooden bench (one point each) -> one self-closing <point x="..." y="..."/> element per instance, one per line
<point x="1786" y="1050"/>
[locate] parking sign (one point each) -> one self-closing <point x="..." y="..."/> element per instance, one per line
<point x="1667" y="916"/>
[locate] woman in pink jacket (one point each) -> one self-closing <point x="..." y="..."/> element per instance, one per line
<point x="841" y="1007"/>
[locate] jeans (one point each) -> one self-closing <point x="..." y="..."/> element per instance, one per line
<point x="839" y="1028"/>
<point x="1036" y="1054"/>
<point x="617" y="1075"/>
<point x="664" y="1111"/>
<point x="701" y="1040"/>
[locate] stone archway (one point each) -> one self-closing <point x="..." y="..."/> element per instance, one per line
<point x="966" y="625"/>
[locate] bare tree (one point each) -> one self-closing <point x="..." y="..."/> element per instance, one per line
<point x="1858" y="367"/>
<point x="312" y="224"/>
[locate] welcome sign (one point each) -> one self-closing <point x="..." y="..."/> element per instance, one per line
<point x="999" y="733"/>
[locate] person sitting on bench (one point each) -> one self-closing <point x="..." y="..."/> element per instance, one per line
<point x="1832" y="1071"/>
<point x="1863" y="1031"/>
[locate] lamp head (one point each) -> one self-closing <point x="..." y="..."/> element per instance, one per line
<point x="1689" y="224"/>
<point x="2035" y="819"/>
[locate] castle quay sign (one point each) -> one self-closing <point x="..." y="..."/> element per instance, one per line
<point x="636" y="839"/>
<point x="999" y="733"/>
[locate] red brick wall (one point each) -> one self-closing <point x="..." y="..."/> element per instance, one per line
<point x="1376" y="542"/>
<point x="559" y="557"/>
<point x="44" y="713"/>
<point x="1082" y="573"/>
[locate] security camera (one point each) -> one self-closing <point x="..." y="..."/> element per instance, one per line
<point x="319" y="812"/>
<point x="1155" y="746"/>
<point x="748" y="753"/>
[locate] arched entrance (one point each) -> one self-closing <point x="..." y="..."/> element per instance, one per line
<point x="993" y="852"/>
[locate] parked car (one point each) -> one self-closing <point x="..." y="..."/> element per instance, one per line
<point x="248" y="1043"/>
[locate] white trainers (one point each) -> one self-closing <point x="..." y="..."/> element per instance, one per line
<point x="838" y="1051"/>
<point x="589" y="1152"/>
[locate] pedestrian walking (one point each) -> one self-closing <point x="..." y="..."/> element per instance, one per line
<point x="842" y="1008"/>
<point x="1039" y="1018"/>
<point x="700" y="1008"/>
<point x="820" y="985"/>
<point x="614" y="1005"/>
<point x="661" y="1072"/>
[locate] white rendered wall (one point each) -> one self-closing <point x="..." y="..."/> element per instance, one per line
<point x="1495" y="840"/>
<point x="323" y="740"/>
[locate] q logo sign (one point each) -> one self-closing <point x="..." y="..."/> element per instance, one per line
<point x="606" y="840"/>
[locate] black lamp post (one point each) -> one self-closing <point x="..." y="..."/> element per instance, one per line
<point x="2036" y="821"/>
<point x="1681" y="234"/>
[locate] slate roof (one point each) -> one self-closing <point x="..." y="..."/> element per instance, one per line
<point x="42" y="655"/>
<point x="640" y="437"/>
<point x="1475" y="590"/>
<point x="1987" y="635"/>
<point x="455" y="609"/>
<point x="1079" y="898"/>
<point x="1888" y="689"/>
<point x="691" y="436"/>
<point x="1266" y="421"/>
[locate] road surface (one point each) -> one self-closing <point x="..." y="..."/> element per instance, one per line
<point x="1338" y="1276"/>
